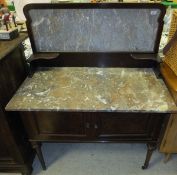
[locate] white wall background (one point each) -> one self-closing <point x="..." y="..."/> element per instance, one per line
<point x="19" y="4"/>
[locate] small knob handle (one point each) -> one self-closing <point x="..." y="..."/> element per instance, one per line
<point x="87" y="125"/>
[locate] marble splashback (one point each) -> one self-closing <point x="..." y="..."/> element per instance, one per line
<point x="93" y="89"/>
<point x="94" y="30"/>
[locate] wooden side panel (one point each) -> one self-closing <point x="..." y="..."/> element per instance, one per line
<point x="169" y="142"/>
<point x="12" y="74"/>
<point x="16" y="154"/>
<point x="4" y="153"/>
<point x="7" y="144"/>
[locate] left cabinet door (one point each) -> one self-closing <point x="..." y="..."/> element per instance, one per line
<point x="50" y="126"/>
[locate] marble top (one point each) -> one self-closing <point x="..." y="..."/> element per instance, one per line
<point x="93" y="89"/>
<point x="95" y="30"/>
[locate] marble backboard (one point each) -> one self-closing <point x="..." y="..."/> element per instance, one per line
<point x="94" y="29"/>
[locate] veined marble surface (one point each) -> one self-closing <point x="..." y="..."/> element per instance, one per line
<point x="94" y="30"/>
<point x="93" y="89"/>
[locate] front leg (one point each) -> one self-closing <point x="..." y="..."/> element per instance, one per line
<point x="37" y="147"/>
<point x="150" y="148"/>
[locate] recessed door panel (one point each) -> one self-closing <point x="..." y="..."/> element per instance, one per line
<point x="61" y="123"/>
<point x="118" y="125"/>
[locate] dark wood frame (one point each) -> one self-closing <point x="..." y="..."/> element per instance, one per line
<point x="99" y="59"/>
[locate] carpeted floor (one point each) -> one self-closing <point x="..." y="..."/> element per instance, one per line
<point x="101" y="159"/>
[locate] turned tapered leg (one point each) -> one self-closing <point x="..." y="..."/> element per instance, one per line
<point x="37" y="147"/>
<point x="150" y="149"/>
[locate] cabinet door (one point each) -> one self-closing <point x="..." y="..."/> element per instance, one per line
<point x="127" y="126"/>
<point x="57" y="125"/>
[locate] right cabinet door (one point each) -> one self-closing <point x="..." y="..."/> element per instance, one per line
<point x="127" y="126"/>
